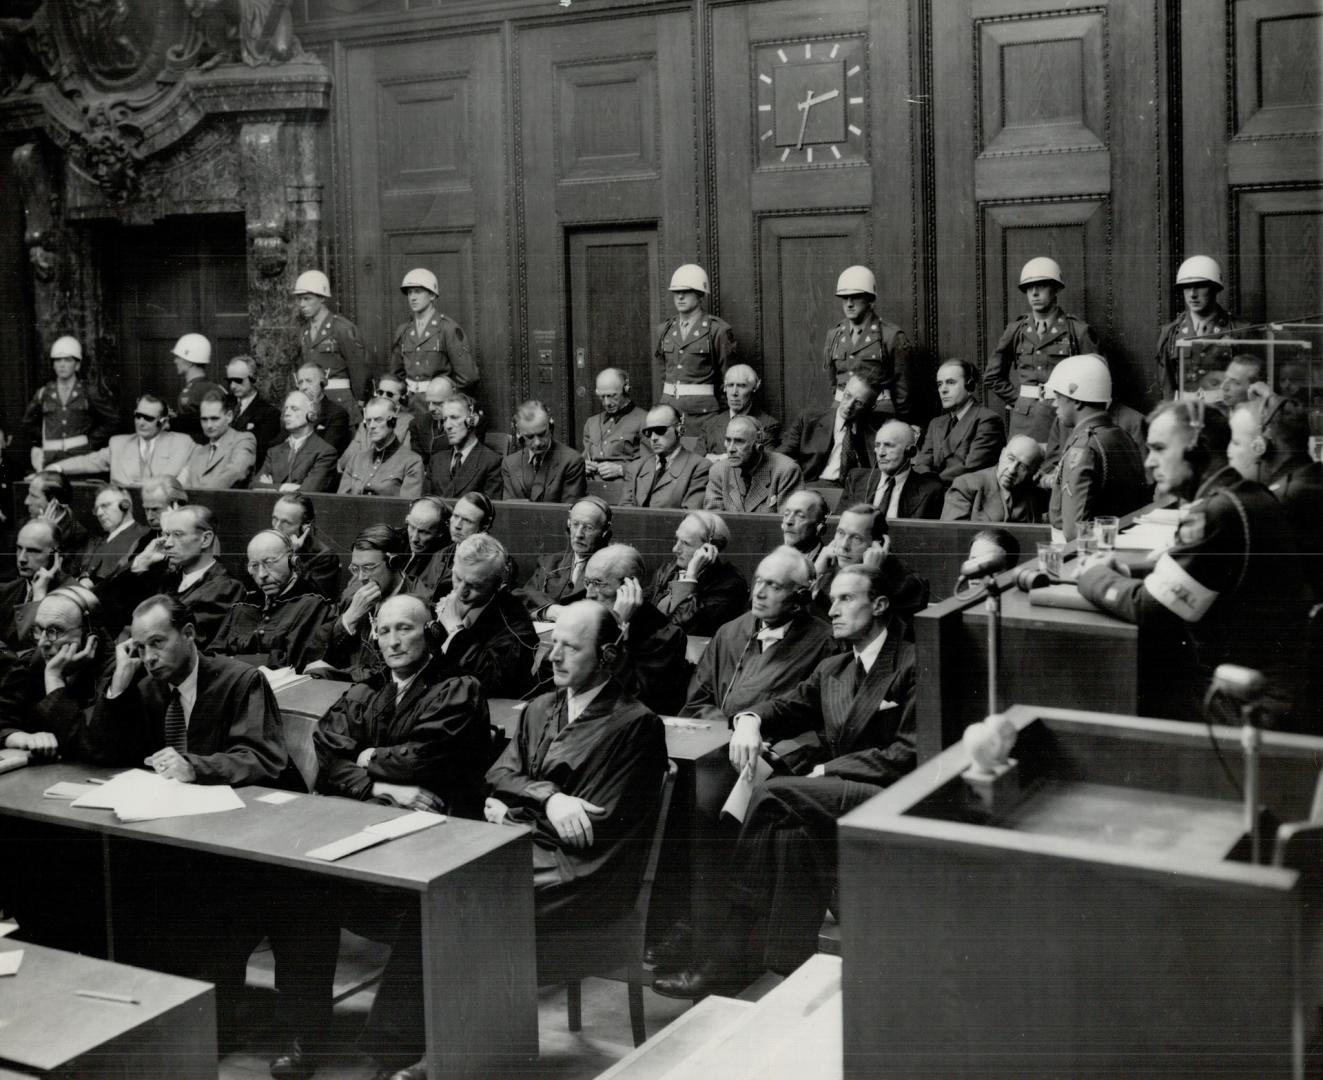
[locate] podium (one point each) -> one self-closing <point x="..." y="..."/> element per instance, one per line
<point x="1099" y="917"/>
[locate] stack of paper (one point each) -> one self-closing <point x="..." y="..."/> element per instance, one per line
<point x="143" y="796"/>
<point x="377" y="834"/>
<point x="280" y="678"/>
<point x="67" y="789"/>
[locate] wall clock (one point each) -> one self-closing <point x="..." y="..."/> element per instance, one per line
<point x="812" y="102"/>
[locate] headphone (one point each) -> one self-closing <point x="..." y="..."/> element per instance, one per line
<point x="601" y="505"/>
<point x="609" y="652"/>
<point x="535" y="406"/>
<point x="969" y="370"/>
<point x="474" y="417"/>
<point x="84" y="599"/>
<point x="1268" y="408"/>
<point x="481" y="500"/>
<point x="436" y="501"/>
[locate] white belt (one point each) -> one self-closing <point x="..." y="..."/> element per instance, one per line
<point x="688" y="389"/>
<point x="338" y="384"/>
<point x="417" y="386"/>
<point x="75" y="442"/>
<point x="1031" y="390"/>
<point x="1210" y="397"/>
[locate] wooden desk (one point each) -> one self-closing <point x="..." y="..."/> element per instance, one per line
<point x="301" y="708"/>
<point x="471" y="879"/>
<point x="1100" y="924"/>
<point x="46" y="1029"/>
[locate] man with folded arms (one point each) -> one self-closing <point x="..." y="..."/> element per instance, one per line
<point x="861" y="704"/>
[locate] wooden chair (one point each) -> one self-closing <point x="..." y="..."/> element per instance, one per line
<point x="619" y="944"/>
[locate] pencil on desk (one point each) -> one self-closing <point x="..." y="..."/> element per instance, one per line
<point x="102" y="995"/>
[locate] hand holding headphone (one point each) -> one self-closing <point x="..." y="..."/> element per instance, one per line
<point x="629" y="598"/>
<point x="703" y="558"/>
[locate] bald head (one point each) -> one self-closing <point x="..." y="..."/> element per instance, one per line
<point x="401" y="629"/>
<point x="741" y="384"/>
<point x="894" y="446"/>
<point x="580" y="633"/>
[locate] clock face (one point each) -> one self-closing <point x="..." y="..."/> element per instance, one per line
<point x="812" y="102"/>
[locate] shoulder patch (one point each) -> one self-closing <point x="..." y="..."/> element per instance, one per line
<point x="1075" y="458"/>
<point x="459" y="334"/>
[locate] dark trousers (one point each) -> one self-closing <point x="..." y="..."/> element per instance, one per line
<point x="784" y="869"/>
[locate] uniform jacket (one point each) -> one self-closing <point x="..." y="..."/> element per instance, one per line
<point x="977" y="496"/>
<point x="883" y="353"/>
<point x="86" y="412"/>
<point x="681" y="486"/>
<point x="867" y="732"/>
<point x="437" y="737"/>
<point x="290" y="629"/>
<point x="700" y="609"/>
<point x="712" y="433"/>
<point x="394" y="471"/>
<point x="702" y="357"/>
<point x="169" y="456"/>
<point x="1203" y="357"/>
<point x="233" y="465"/>
<point x="921" y="497"/>
<point x="1022" y="358"/>
<point x="338" y="348"/>
<point x="810" y="438"/>
<point x="735" y="672"/>
<point x="614" y="438"/>
<point x="774" y="479"/>
<point x="233" y="735"/>
<point x="332" y="424"/>
<point x="613" y="755"/>
<point x="1101" y="472"/>
<point x="552" y="582"/>
<point x="479" y="471"/>
<point x="1133" y="422"/>
<point x="441" y="349"/>
<point x="953" y="447"/>
<point x="312" y="468"/>
<point x="362" y="441"/>
<point x="559" y="476"/>
<point x="262" y="421"/>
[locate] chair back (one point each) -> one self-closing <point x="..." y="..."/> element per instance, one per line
<point x="644" y="897"/>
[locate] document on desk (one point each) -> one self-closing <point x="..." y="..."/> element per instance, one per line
<point x="67" y="789"/>
<point x="1148" y="536"/>
<point x="377" y="834"/>
<point x="280" y="678"/>
<point x="137" y="795"/>
<point x="9" y="961"/>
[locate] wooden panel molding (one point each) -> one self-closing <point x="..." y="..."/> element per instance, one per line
<point x="1279" y="233"/>
<point x="1276" y="85"/>
<point x="423" y="125"/>
<point x="607" y="118"/>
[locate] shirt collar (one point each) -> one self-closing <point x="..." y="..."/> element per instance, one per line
<point x="869" y="653"/>
<point x="402" y="685"/>
<point x="187" y="581"/>
<point x="126" y="523"/>
<point x="575" y="704"/>
<point x="769" y="634"/>
<point x="296" y="441"/>
<point x="188" y="688"/>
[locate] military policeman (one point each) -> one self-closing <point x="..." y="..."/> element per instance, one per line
<point x="864" y="342"/>
<point x="1230" y="590"/>
<point x="1101" y="469"/>
<point x="192" y="355"/>
<point x="331" y="341"/>
<point x="428" y="343"/>
<point x="693" y="348"/>
<point x="67" y="416"/>
<point x="1200" y="280"/>
<point x="1031" y="346"/>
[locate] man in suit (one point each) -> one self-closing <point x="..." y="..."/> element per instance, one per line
<point x="129" y="459"/>
<point x="255" y="414"/>
<point x="191" y="572"/>
<point x="967" y="436"/>
<point x="541" y="469"/>
<point x="861" y="705"/>
<point x="558" y="578"/>
<point x="376" y="558"/>
<point x="751" y="479"/>
<point x="426" y="526"/>
<point x="330" y="420"/>
<point x="121" y="534"/>
<point x="828" y="444"/>
<point x="460" y="461"/>
<point x="611" y="437"/>
<point x="303" y="461"/>
<point x="699" y="589"/>
<point x="428" y="434"/>
<point x="670" y="476"/>
<point x="742" y="386"/>
<point x="1004" y="492"/>
<point x="894" y="486"/>
<point x="295" y="515"/>
<point x="804" y="522"/>
<point x="135" y="576"/>
<point x="37" y="557"/>
<point x="226" y="459"/>
<point x="861" y="539"/>
<point x="386" y="466"/>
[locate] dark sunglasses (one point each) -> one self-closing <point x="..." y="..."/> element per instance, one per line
<point x="149" y="419"/>
<point x="236" y="378"/>
<point x="661" y="429"/>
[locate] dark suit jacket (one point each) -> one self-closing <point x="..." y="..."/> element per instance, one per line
<point x="16" y="615"/>
<point x="497" y="649"/>
<point x="809" y="441"/>
<point x="921" y="497"/>
<point x="312" y="468"/>
<point x="101" y="556"/>
<point x="976" y="496"/>
<point x="480" y="471"/>
<point x="774" y="479"/>
<point x="720" y="595"/>
<point x="209" y="598"/>
<point x="289" y="629"/>
<point x="320" y="565"/>
<point x="233" y="735"/>
<point x="970" y="443"/>
<point x="867" y="734"/>
<point x="559" y="477"/>
<point x="332" y="425"/>
<point x="681" y="487"/>
<point x="552" y="582"/>
<point x="262" y="419"/>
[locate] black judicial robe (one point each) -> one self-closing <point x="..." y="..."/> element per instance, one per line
<point x="26" y="707"/>
<point x="292" y="628"/>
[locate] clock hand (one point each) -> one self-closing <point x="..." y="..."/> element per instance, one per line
<point x="810" y="101"/>
<point x="803" y="106"/>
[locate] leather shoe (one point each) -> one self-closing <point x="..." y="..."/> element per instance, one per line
<point x="695" y="983"/>
<point x="294" y="1064"/>
<point x="674" y="950"/>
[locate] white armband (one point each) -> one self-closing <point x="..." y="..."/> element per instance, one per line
<point x="1172" y="587"/>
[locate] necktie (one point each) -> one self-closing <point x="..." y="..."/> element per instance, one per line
<point x="885" y="492"/>
<point x="859" y="674"/>
<point x="211" y="456"/>
<point x="657" y="474"/>
<point x="176" y="731"/>
<point x="454" y="463"/>
<point x="855" y="331"/>
<point x="1041" y="328"/>
<point x="576" y="575"/>
<point x="847" y="449"/>
<point x="144" y="459"/>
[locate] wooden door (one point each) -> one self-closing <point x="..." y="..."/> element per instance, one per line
<point x="614" y="304"/>
<point x="1048" y="126"/>
<point x="173" y="278"/>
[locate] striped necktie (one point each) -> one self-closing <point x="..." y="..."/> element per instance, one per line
<point x="176" y="730"/>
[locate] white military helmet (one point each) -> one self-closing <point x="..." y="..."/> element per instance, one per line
<point x="315" y="282"/>
<point x="1040" y="269"/>
<point x="689" y="277"/>
<point x="66" y="346"/>
<point x="1083" y="378"/>
<point x="856" y="279"/>
<point x="421" y="279"/>
<point x="1197" y="269"/>
<point x="193" y="349"/>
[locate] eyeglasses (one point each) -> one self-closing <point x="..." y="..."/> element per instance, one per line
<point x="596" y="584"/>
<point x="653" y="432"/>
<point x="269" y="563"/>
<point x="236" y="378"/>
<point x="364" y="570"/>
<point x="52" y="633"/>
<point x="148" y="418"/>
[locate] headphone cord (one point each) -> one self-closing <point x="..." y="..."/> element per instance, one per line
<point x="739" y="666"/>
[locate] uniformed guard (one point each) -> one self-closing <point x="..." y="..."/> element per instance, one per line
<point x="693" y="348"/>
<point x="1200" y="280"/>
<point x="330" y="340"/>
<point x="865" y="342"/>
<point x="429" y="343"/>
<point x="1031" y="346"/>
<point x="192" y="354"/>
<point x="1101" y="469"/>
<point x="67" y="416"/>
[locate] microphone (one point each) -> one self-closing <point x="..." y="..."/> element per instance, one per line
<point x="983" y="567"/>
<point x="1240" y="683"/>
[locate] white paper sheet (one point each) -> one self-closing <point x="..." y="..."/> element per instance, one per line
<point x="737" y="803"/>
<point x="67" y="789"/>
<point x="403" y="826"/>
<point x="7" y="927"/>
<point x="9" y="962"/>
<point x="1150" y="536"/>
<point x="277" y="798"/>
<point x="137" y="795"/>
<point x="280" y="678"/>
<point x="338" y="849"/>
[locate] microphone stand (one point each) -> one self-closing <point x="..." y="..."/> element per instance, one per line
<point x="993" y="608"/>
<point x="1251" y="740"/>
